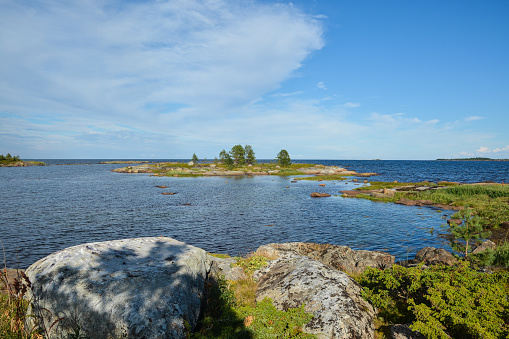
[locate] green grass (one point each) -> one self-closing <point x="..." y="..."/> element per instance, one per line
<point x="373" y="185"/>
<point x="232" y="311"/>
<point x="324" y="177"/>
<point x="490" y="202"/>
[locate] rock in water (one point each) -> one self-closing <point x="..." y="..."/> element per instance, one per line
<point x="132" y="288"/>
<point x="333" y="297"/>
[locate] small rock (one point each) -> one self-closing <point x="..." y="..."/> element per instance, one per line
<point x="168" y="193"/>
<point x="456" y="221"/>
<point x="161" y="186"/>
<point x="321" y="185"/>
<point x="403" y="331"/>
<point x="190" y="163"/>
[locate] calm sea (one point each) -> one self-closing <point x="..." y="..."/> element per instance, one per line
<point x="45" y="209"/>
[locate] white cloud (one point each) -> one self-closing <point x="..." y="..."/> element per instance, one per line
<point x="474" y="118"/>
<point x="486" y="150"/>
<point x="351" y="105"/>
<point x="134" y="59"/>
<point x="321" y="85"/>
<point x="483" y="150"/>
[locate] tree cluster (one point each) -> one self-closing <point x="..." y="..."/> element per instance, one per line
<point x="238" y="155"/>
<point x="9" y="157"/>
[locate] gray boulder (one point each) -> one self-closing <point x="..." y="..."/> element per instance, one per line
<point x="342" y="258"/>
<point x="432" y="256"/>
<point x="333" y="297"/>
<point x="403" y="331"/>
<point x="487" y="245"/>
<point x="132" y="288"/>
<point x="223" y="267"/>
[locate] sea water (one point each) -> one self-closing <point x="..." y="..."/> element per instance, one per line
<point x="45" y="209"/>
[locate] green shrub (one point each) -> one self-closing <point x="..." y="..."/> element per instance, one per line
<point x="441" y="301"/>
<point x="251" y="264"/>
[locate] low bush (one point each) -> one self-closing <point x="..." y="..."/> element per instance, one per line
<point x="441" y="301"/>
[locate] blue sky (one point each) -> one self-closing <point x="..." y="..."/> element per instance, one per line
<point x="322" y="79"/>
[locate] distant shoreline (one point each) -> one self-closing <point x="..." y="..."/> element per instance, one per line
<point x="473" y="159"/>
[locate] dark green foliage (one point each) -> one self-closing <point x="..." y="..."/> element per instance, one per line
<point x="7" y="159"/>
<point x="228" y="161"/>
<point x="250" y="155"/>
<point x="195" y="158"/>
<point x="441" y="301"/>
<point x="497" y="257"/>
<point x="222" y="155"/>
<point x="470" y="231"/>
<point x="283" y="158"/>
<point x="238" y="154"/>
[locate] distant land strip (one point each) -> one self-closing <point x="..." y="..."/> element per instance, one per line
<point x="473" y="159"/>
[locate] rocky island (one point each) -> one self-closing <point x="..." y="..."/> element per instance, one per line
<point x="190" y="169"/>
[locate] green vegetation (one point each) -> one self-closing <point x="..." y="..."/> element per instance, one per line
<point x="490" y="202"/>
<point x="441" y="301"/>
<point x="9" y="158"/>
<point x="324" y="177"/>
<point x="13" y="307"/>
<point x="250" y="155"/>
<point x="232" y="311"/>
<point x="283" y="158"/>
<point x="470" y="231"/>
<point x="251" y="264"/>
<point x="195" y="158"/>
<point x="497" y="257"/>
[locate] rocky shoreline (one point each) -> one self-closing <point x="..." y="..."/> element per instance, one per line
<point x="155" y="287"/>
<point x="192" y="169"/>
<point x="23" y="164"/>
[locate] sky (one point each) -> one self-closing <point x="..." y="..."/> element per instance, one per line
<point x="323" y="79"/>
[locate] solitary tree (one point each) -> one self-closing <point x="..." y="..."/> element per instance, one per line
<point x="283" y="158"/>
<point x="195" y="158"/>
<point x="250" y="155"/>
<point x="238" y="154"/>
<point x="470" y="231"/>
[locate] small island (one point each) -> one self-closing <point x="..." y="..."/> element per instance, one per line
<point x="240" y="161"/>
<point x="14" y="161"/>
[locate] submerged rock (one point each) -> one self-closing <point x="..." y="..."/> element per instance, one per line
<point x="132" y="288"/>
<point x="333" y="297"/>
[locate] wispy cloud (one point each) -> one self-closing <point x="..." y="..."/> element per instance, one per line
<point x="321" y="85"/>
<point x="474" y="118"/>
<point x="131" y="60"/>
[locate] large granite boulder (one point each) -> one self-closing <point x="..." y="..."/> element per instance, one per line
<point x="132" y="288"/>
<point x="342" y="258"/>
<point x="333" y="297"/>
